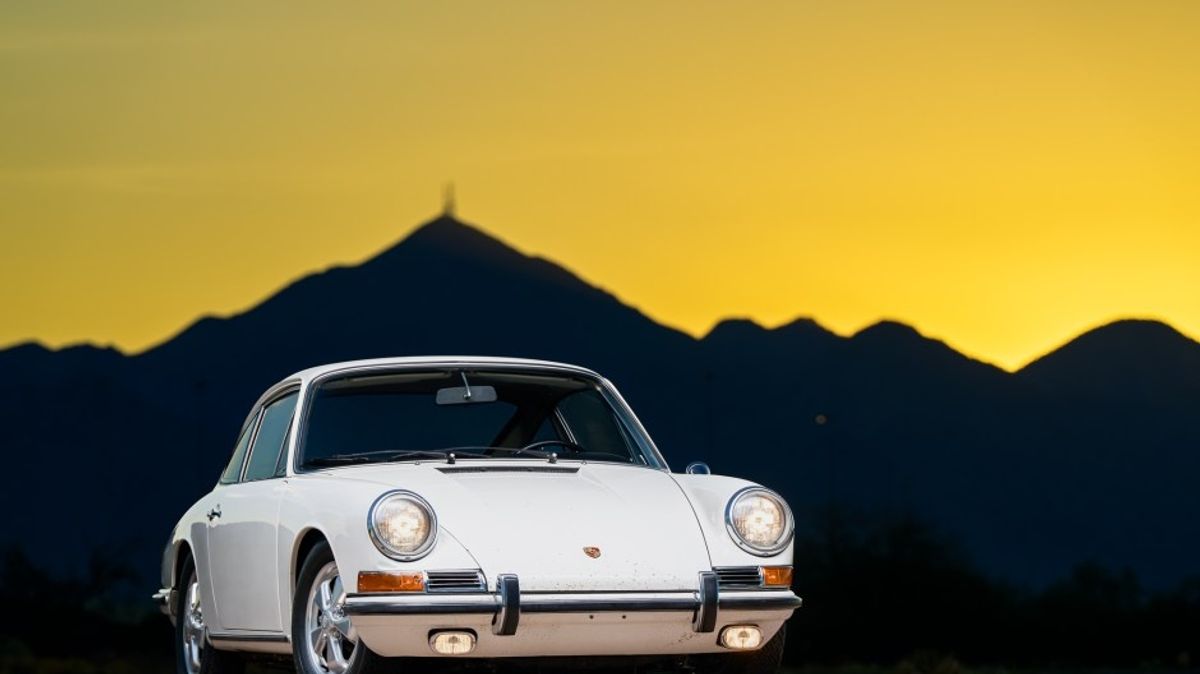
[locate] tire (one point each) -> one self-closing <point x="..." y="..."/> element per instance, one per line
<point x="337" y="636"/>
<point x="766" y="660"/>
<point x="193" y="654"/>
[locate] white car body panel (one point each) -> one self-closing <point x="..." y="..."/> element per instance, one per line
<point x="656" y="531"/>
<point x="709" y="496"/>
<point x="582" y="635"/>
<point x="245" y="589"/>
<point x="637" y="516"/>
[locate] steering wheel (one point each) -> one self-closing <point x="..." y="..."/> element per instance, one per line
<point x="565" y="444"/>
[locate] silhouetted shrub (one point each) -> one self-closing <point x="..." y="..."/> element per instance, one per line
<point x="883" y="593"/>
<point x="887" y="589"/>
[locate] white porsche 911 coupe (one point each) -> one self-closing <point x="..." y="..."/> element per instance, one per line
<point x="477" y="509"/>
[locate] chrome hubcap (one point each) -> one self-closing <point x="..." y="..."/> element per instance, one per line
<point x="331" y="638"/>
<point x="193" y="628"/>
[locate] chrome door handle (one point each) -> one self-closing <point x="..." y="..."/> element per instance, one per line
<point x="214" y="513"/>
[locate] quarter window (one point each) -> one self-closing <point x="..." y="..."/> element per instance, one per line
<point x="269" y="443"/>
<point x="234" y="469"/>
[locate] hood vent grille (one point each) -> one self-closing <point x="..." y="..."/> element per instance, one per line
<point x="455" y="581"/>
<point x="733" y="577"/>
<point x="457" y="470"/>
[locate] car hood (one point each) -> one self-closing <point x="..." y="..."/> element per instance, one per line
<point x="541" y="521"/>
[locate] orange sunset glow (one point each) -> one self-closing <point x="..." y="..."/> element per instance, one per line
<point x="1001" y="175"/>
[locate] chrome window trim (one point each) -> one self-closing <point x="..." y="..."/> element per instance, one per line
<point x="251" y="427"/>
<point x="277" y="393"/>
<point x="784" y="541"/>
<point x="562" y="424"/>
<point x="634" y="426"/>
<point x="253" y="418"/>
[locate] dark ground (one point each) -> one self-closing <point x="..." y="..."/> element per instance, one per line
<point x="883" y="595"/>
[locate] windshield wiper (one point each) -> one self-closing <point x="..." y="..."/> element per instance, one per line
<point x="340" y="460"/>
<point x="487" y="451"/>
<point x="523" y="451"/>
<point x="387" y="455"/>
<point x="433" y="454"/>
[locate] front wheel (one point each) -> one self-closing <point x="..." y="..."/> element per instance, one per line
<point x="193" y="654"/>
<point x="766" y="660"/>
<point x="323" y="639"/>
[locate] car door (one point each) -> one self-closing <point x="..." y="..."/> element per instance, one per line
<point x="243" y="528"/>
<point x="200" y="530"/>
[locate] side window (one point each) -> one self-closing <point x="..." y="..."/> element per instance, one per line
<point x="272" y="431"/>
<point x="547" y="431"/>
<point x="234" y="469"/>
<point x="281" y="464"/>
<point x="591" y="421"/>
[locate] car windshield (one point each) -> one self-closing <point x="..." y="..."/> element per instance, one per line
<point x="405" y="416"/>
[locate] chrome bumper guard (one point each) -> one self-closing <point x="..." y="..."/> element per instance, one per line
<point x="508" y="603"/>
<point x="165" y="598"/>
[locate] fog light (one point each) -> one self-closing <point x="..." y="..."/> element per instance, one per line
<point x="741" y="637"/>
<point x="452" y="643"/>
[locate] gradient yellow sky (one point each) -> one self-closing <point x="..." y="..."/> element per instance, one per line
<point x="1002" y="175"/>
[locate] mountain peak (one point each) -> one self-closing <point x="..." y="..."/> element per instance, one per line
<point x="1135" y="329"/>
<point x="451" y="241"/>
<point x="448" y="232"/>
<point x="804" y="324"/>
<point x="734" y="327"/>
<point x="1136" y="356"/>
<point x="889" y="330"/>
<point x="445" y="224"/>
<point x="800" y="341"/>
<point x="1125" y="338"/>
<point x="803" y="327"/>
<point x="896" y="342"/>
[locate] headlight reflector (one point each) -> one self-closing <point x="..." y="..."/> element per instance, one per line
<point x="402" y="525"/>
<point x="759" y="521"/>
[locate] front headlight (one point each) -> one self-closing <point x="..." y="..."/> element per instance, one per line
<point x="402" y="525"/>
<point x="759" y="521"/>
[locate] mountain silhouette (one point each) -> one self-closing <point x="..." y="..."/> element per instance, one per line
<point x="1086" y="454"/>
<point x="1141" y="360"/>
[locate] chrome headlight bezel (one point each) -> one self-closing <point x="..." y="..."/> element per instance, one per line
<point x="785" y="539"/>
<point x="403" y="555"/>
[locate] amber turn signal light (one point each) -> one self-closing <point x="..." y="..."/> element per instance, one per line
<point x="777" y="576"/>
<point x="382" y="581"/>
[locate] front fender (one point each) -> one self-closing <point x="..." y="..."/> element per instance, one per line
<point x="336" y="509"/>
<point x="710" y="495"/>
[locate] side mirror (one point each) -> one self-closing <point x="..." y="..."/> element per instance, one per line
<point x="698" y="468"/>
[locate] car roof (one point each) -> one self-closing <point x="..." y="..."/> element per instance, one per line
<point x="416" y="361"/>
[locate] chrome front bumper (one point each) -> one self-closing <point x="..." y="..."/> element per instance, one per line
<point x="505" y="607"/>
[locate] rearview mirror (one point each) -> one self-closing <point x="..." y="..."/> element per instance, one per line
<point x="466" y="395"/>
<point x="699" y="468"/>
